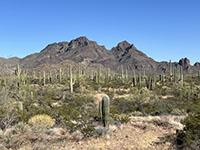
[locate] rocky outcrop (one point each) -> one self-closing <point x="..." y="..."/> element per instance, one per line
<point x="185" y="63"/>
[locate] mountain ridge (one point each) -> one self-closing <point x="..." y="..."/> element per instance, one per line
<point x="87" y="52"/>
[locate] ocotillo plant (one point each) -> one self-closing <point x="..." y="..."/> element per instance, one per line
<point x="104" y="110"/>
<point x="71" y="79"/>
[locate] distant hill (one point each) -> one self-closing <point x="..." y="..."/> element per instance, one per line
<point x="8" y="65"/>
<point x="90" y="54"/>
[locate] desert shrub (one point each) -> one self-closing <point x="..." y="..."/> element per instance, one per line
<point x="8" y="109"/>
<point x="189" y="137"/>
<point x="41" y="121"/>
<point x="122" y="106"/>
<point x="123" y="118"/>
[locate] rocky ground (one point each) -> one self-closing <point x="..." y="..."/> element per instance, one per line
<point x="140" y="133"/>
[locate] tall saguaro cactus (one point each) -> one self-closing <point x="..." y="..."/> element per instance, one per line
<point x="60" y="75"/>
<point x="104" y="110"/>
<point x="71" y="79"/>
<point x="18" y="71"/>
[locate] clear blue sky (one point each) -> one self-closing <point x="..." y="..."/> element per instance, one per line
<point x="163" y="29"/>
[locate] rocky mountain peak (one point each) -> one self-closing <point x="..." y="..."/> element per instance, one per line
<point x="197" y="64"/>
<point x="124" y="45"/>
<point x="81" y="41"/>
<point x="184" y="62"/>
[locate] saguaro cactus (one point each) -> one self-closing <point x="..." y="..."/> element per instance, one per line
<point x="18" y="71"/>
<point x="104" y="110"/>
<point x="60" y="75"/>
<point x="71" y="80"/>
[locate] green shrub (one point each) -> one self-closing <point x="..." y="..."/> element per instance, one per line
<point x="189" y="137"/>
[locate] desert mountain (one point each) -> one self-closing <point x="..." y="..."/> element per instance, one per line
<point x="79" y="50"/>
<point x="90" y="54"/>
<point x="82" y="50"/>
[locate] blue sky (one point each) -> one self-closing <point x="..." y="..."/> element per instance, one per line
<point x="162" y="29"/>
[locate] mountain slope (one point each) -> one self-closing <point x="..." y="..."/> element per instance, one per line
<point x="127" y="55"/>
<point x="79" y="50"/>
